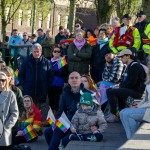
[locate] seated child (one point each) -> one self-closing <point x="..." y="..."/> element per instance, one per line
<point x="88" y="123"/>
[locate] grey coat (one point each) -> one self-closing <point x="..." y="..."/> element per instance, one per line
<point x="8" y="114"/>
<point x="82" y="121"/>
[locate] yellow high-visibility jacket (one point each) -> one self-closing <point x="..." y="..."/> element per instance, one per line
<point x="137" y="41"/>
<point x="146" y="47"/>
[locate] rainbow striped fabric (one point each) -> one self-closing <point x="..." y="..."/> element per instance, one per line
<point x="61" y="126"/>
<point x="51" y="122"/>
<point x="62" y="62"/>
<point x="29" y="133"/>
<point x="16" y="77"/>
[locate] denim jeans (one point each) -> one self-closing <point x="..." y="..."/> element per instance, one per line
<point x="131" y="119"/>
<point x="53" y="138"/>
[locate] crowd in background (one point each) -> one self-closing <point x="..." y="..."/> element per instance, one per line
<point x="89" y="74"/>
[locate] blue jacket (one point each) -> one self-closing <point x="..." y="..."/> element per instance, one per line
<point x="40" y="39"/>
<point x="59" y="74"/>
<point x="69" y="101"/>
<point x="35" y="76"/>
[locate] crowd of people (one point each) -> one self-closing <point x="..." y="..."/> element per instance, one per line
<point x="90" y="80"/>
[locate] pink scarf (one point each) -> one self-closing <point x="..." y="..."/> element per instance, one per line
<point x="79" y="45"/>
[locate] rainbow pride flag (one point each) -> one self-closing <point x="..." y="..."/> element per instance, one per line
<point x="16" y="77"/>
<point x="29" y="133"/>
<point x="63" y="123"/>
<point x="51" y="118"/>
<point x="62" y="62"/>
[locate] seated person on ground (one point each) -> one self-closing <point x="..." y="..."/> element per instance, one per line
<point x="132" y="84"/>
<point x="88" y="123"/>
<point x="31" y="116"/>
<point x="132" y="117"/>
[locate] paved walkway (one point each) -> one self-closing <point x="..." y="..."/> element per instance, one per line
<point x="113" y="139"/>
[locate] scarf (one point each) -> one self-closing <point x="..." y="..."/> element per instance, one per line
<point x="105" y="41"/>
<point x="79" y="45"/>
<point x="53" y="60"/>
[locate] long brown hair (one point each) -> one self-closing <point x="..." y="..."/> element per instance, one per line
<point x="92" y="85"/>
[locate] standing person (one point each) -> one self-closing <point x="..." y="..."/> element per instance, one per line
<point x="55" y="88"/>
<point x="96" y="32"/>
<point x="31" y="115"/>
<point x="41" y="36"/>
<point x="132" y="84"/>
<point x="88" y="123"/>
<point x="125" y="36"/>
<point x="47" y="49"/>
<point x="10" y="75"/>
<point x="68" y="103"/>
<point x="23" y="51"/>
<point x="35" y="75"/>
<point x="33" y="39"/>
<point x="144" y="28"/>
<point x="60" y="35"/>
<point x="9" y="112"/>
<point x="132" y="118"/>
<point x="98" y="56"/>
<point x="79" y="54"/>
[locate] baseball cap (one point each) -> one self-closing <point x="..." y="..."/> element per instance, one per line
<point x="140" y="13"/>
<point x="125" y="52"/>
<point x="127" y="16"/>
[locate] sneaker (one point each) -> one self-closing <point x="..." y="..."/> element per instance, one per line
<point x="112" y="118"/>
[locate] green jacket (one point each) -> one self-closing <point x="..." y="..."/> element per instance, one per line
<point x="79" y="60"/>
<point x="47" y="50"/>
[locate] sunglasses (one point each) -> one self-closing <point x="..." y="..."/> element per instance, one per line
<point x="140" y="16"/>
<point x="24" y="35"/>
<point x="56" y="51"/>
<point x="2" y="80"/>
<point x="77" y="26"/>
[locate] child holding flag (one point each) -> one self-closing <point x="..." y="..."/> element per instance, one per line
<point x="88" y="123"/>
<point x="30" y="122"/>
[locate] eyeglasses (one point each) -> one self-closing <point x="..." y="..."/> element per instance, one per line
<point x="24" y="35"/>
<point x="56" y="51"/>
<point x="2" y="80"/>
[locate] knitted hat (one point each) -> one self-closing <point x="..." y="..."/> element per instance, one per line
<point x="86" y="99"/>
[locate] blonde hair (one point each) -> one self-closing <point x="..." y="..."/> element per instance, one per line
<point x="10" y="73"/>
<point x="6" y="87"/>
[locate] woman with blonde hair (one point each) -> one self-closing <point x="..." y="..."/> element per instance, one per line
<point x="90" y="85"/>
<point x="131" y="118"/>
<point x="9" y="112"/>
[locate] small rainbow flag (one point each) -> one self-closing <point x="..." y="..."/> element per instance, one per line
<point x="62" y="62"/>
<point x="61" y="126"/>
<point x="63" y="123"/>
<point x="50" y="121"/>
<point x="29" y="133"/>
<point x="70" y="40"/>
<point x="16" y="77"/>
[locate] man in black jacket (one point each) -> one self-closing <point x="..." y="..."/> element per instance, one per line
<point x="35" y="75"/>
<point x="68" y="103"/>
<point x="132" y="84"/>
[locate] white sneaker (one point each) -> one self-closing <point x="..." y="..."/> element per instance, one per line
<point x="112" y="118"/>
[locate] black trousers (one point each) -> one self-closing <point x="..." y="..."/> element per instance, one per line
<point x="21" y="139"/>
<point x="120" y="96"/>
<point x="54" y="93"/>
<point x="83" y="137"/>
<point x="5" y="147"/>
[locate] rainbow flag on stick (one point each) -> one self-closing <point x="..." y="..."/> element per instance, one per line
<point x="29" y="133"/>
<point x="63" y="123"/>
<point x="62" y="62"/>
<point x="50" y="118"/>
<point x="16" y="77"/>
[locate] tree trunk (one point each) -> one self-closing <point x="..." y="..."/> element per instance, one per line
<point x="3" y="20"/>
<point x="104" y="9"/>
<point x="146" y="9"/>
<point x="33" y="16"/>
<point x="72" y="12"/>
